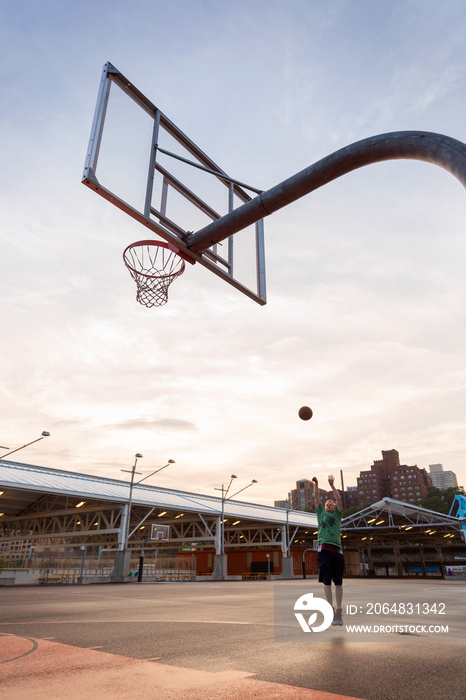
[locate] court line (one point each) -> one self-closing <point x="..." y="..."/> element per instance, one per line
<point x="26" y="653"/>
<point x="124" y="622"/>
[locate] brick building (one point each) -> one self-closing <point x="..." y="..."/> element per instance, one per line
<point x="302" y="497"/>
<point x="388" y="478"/>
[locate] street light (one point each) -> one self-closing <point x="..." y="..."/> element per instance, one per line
<point x="44" y="434"/>
<point x="133" y="472"/>
<point x="170" y="461"/>
<point x="288" y="542"/>
<point x="224" y="495"/>
<point x="225" y="498"/>
<point x="141" y="557"/>
<point x="254" y="481"/>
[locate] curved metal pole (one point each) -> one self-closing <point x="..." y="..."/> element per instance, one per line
<point x="433" y="148"/>
<point x="310" y="549"/>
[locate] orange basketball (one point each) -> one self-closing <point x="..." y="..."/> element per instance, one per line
<point x="305" y="413"/>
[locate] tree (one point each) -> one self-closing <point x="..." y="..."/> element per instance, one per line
<point x="440" y="500"/>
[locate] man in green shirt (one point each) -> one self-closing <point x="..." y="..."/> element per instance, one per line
<point x="329" y="554"/>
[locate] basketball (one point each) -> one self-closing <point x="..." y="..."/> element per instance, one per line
<point x="305" y="413"/>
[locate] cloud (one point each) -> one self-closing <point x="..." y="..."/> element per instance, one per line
<point x="162" y="425"/>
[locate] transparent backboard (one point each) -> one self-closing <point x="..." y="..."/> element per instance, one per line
<point x="160" y="532"/>
<point x="145" y="165"/>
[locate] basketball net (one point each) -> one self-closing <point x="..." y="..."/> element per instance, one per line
<point x="153" y="265"/>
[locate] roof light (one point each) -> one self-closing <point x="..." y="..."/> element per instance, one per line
<point x="164" y="512"/>
<point x="80" y="504"/>
<point x="380" y="522"/>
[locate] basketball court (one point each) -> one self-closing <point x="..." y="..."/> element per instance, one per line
<point x="209" y="640"/>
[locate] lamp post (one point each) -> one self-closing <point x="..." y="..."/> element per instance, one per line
<point x="170" y="461"/>
<point x="225" y="497"/>
<point x="132" y="472"/>
<point x="288" y="571"/>
<point x="141" y="557"/>
<point x="44" y="434"/>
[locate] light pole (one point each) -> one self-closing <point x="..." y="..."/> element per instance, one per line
<point x="141" y="557"/>
<point x="44" y="434"/>
<point x="170" y="461"/>
<point x="288" y="542"/>
<point x="128" y="517"/>
<point x="225" y="497"/>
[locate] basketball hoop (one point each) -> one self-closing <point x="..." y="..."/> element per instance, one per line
<point x="161" y="533"/>
<point x="153" y="265"/>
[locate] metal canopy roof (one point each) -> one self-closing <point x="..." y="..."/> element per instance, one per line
<point x="397" y="513"/>
<point x="27" y="481"/>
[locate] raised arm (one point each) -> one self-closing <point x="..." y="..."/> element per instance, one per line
<point x="316" y="493"/>
<point x="331" y="481"/>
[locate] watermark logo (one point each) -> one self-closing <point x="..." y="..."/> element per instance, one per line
<point x="307" y="603"/>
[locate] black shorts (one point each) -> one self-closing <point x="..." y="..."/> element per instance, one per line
<point x="331" y="567"/>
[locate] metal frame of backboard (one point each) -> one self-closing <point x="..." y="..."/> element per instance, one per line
<point x="155" y="218"/>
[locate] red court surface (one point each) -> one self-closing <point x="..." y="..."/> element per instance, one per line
<point x="44" y="670"/>
<point x="209" y="641"/>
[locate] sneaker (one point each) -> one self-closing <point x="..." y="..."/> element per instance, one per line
<point x="337" y="618"/>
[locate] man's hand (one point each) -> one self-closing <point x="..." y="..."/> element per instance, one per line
<point x="331" y="480"/>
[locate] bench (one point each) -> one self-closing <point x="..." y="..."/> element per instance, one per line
<point x="59" y="578"/>
<point x="258" y="575"/>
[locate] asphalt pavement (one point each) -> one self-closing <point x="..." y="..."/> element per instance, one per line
<point x="220" y="640"/>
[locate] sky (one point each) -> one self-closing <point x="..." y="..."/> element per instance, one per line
<point x="366" y="313"/>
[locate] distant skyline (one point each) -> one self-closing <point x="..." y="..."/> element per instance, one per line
<point x="366" y="313"/>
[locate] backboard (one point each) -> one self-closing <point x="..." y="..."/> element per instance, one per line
<point x="146" y="166"/>
<point x="160" y="532"/>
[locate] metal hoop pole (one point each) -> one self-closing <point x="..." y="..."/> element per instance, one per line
<point x="444" y="151"/>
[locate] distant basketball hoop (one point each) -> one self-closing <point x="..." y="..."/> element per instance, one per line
<point x="160" y="533"/>
<point x="153" y="265"/>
